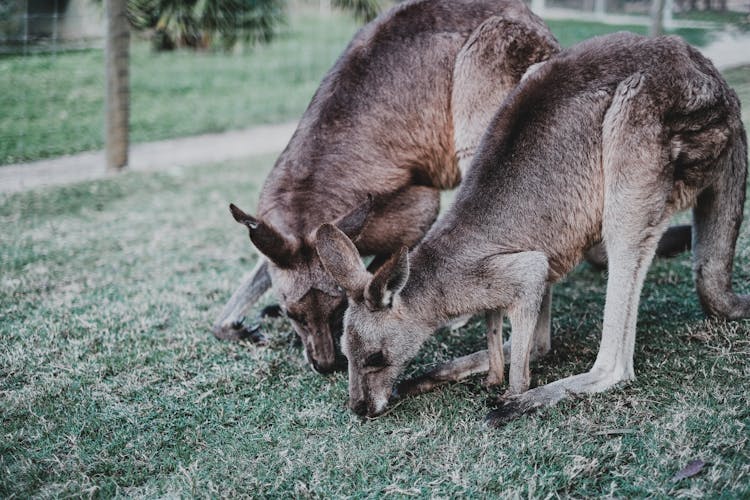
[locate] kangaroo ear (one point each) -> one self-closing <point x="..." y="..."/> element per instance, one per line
<point x="354" y="222"/>
<point x="341" y="258"/>
<point x="274" y="245"/>
<point x="388" y="281"/>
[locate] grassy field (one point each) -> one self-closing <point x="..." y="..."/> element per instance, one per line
<point x="111" y="384"/>
<point x="570" y="32"/>
<point x="52" y="104"/>
<point x="739" y="20"/>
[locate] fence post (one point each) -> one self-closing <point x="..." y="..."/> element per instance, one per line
<point x="667" y="18"/>
<point x="117" y="108"/>
<point x="325" y="7"/>
<point x="600" y="8"/>
<point x="657" y="18"/>
<point x="538" y="6"/>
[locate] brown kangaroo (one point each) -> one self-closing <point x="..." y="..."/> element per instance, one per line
<point x="381" y="123"/>
<point x="605" y="141"/>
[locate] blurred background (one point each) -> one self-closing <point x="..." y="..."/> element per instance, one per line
<point x="207" y="66"/>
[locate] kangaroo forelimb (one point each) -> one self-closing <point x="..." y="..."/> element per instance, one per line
<point x="452" y="371"/>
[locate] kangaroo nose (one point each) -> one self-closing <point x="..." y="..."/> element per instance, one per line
<point x="323" y="369"/>
<point x="315" y="365"/>
<point x="360" y="408"/>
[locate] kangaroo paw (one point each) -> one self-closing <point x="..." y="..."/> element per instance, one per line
<point x="239" y="331"/>
<point x="510" y="409"/>
<point x="415" y="386"/>
<point x="272" y="311"/>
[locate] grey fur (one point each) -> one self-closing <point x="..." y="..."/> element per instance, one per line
<point x="604" y="142"/>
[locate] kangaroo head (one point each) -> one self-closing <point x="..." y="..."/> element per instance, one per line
<point x="306" y="292"/>
<point x="381" y="334"/>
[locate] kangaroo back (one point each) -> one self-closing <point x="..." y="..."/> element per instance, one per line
<point x="488" y="67"/>
<point x="381" y="118"/>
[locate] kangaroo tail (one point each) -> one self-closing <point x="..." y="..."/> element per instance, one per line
<point x="716" y="224"/>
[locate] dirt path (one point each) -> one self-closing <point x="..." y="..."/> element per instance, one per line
<point x="160" y="155"/>
<point x="728" y="50"/>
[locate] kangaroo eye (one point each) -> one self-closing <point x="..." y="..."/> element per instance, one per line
<point x="375" y="360"/>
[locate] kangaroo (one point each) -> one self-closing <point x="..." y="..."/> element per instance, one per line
<point x="399" y="116"/>
<point x="603" y="142"/>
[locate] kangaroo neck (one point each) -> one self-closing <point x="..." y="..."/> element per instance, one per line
<point x="437" y="289"/>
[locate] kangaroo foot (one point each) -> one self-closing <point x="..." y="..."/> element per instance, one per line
<point x="239" y="331"/>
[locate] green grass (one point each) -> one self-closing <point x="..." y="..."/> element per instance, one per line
<point x="570" y="32"/>
<point x="739" y="79"/>
<point x="737" y="19"/>
<point x="52" y="104"/>
<point x="111" y="384"/>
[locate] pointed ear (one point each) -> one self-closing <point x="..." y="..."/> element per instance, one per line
<point x="341" y="258"/>
<point x="271" y="243"/>
<point x="388" y="281"/>
<point x="354" y="222"/>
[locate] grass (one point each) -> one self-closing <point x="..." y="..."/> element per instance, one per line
<point x="734" y="18"/>
<point x="52" y="104"/>
<point x="111" y="384"/>
<point x="570" y="32"/>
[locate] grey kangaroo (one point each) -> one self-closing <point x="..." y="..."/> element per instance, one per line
<point x="399" y="116"/>
<point x="603" y="142"/>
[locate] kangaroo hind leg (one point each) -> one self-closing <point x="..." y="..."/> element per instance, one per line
<point x="636" y="212"/>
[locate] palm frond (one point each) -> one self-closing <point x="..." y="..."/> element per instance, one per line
<point x="364" y="10"/>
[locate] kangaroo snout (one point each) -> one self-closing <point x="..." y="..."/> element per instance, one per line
<point x="320" y="352"/>
<point x="368" y="407"/>
<point x="360" y="407"/>
<point x="324" y="368"/>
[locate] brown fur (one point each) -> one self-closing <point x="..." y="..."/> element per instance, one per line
<point x="382" y="124"/>
<point x="603" y="142"/>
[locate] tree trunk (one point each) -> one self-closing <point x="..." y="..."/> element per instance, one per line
<point x="538" y="6"/>
<point x="657" y="13"/>
<point x="600" y="7"/>
<point x="118" y="90"/>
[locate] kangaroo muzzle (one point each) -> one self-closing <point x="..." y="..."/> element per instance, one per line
<point x="320" y="351"/>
